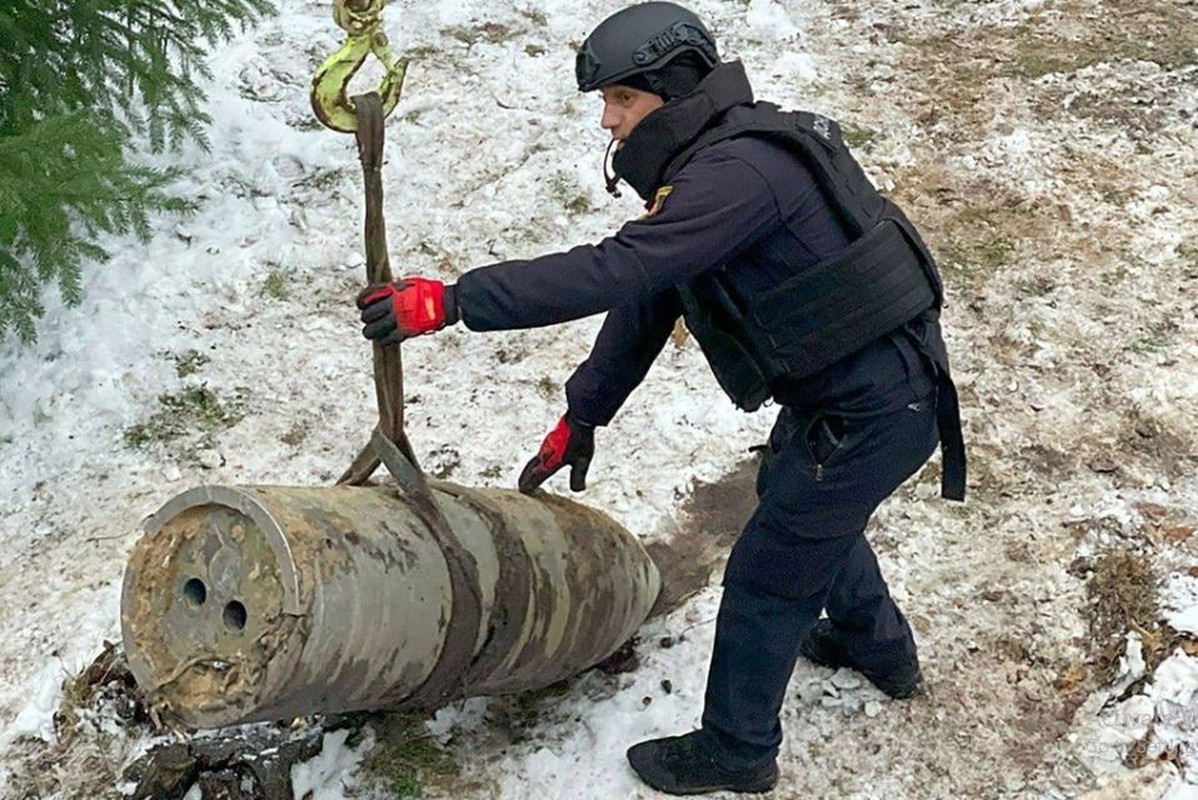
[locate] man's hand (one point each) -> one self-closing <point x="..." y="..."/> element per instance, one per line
<point x="571" y="443"/>
<point x="395" y="311"/>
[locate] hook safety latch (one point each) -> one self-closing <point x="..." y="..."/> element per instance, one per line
<point x="362" y="20"/>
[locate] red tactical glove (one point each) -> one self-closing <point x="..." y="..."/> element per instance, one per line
<point x="395" y="311"/>
<point x="571" y="443"/>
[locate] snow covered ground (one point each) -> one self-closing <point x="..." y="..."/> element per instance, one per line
<point x="1048" y="148"/>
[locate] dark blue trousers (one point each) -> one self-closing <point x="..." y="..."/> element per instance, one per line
<point x="804" y="551"/>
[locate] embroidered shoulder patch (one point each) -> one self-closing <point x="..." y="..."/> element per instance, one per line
<point x="658" y="200"/>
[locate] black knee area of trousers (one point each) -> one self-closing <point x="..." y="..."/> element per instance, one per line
<point x="756" y="646"/>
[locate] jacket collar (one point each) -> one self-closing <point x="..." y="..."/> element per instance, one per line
<point x="665" y="132"/>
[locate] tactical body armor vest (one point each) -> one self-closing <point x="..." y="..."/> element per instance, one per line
<point x="884" y="279"/>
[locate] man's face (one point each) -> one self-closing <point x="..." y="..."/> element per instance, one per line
<point x="624" y="107"/>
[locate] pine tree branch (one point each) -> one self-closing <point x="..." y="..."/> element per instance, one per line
<point x="78" y="78"/>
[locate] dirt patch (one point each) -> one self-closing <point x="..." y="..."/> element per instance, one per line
<point x="1164" y="448"/>
<point x="974" y="225"/>
<point x="713" y="517"/>
<point x="1110" y="32"/>
<point x="194" y="410"/>
<point x="1048" y="461"/>
<point x="405" y="758"/>
<point x="1122" y="594"/>
<point x="189" y="363"/>
<point x="1064" y="38"/>
<point x="104" y="717"/>
<point x="94" y="724"/>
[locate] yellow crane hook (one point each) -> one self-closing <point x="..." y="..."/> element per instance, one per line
<point x="362" y="20"/>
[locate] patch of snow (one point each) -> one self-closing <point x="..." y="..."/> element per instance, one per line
<point x="1152" y="782"/>
<point x="1179" y="601"/>
<point x="846" y="679"/>
<point x="769" y="19"/>
<point x="1131" y="663"/>
<point x="329" y="776"/>
<point x="1182" y="791"/>
<point x="36" y="719"/>
<point x="1176" y="681"/>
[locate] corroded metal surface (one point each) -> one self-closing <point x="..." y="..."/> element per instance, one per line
<point x="256" y="603"/>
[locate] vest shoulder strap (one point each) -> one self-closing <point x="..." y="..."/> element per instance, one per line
<point x="818" y="142"/>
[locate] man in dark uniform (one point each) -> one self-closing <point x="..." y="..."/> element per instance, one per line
<point x="801" y="284"/>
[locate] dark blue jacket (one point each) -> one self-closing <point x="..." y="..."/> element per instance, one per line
<point x="747" y="204"/>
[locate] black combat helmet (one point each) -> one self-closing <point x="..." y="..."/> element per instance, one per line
<point x="641" y="39"/>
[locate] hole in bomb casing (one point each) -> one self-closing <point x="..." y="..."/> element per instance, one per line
<point x="196" y="592"/>
<point x="235" y="616"/>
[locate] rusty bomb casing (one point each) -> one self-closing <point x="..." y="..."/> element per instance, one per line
<point x="249" y="603"/>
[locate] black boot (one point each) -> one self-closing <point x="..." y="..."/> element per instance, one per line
<point x="825" y="646"/>
<point x="690" y="764"/>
